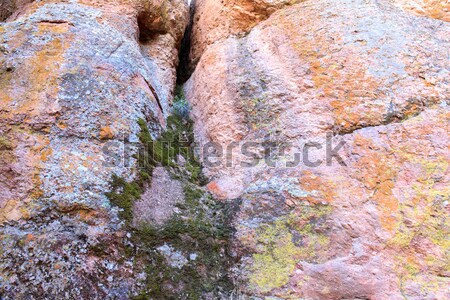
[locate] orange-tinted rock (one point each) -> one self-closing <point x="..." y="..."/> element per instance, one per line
<point x="75" y="78"/>
<point x="375" y="78"/>
<point x="438" y="9"/>
<point x="330" y="68"/>
<point x="216" y="20"/>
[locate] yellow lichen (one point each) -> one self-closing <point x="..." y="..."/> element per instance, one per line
<point x="278" y="254"/>
<point x="423" y="218"/>
<point x="272" y="267"/>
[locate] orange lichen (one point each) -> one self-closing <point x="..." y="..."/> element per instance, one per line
<point x="29" y="237"/>
<point x="319" y="190"/>
<point x="345" y="83"/>
<point x="41" y="73"/>
<point x="437" y="9"/>
<point x="44" y="28"/>
<point x="61" y="125"/>
<point x="378" y="176"/>
<point x="46" y="153"/>
<point x="106" y="133"/>
<point x="215" y="189"/>
<point x="37" y="191"/>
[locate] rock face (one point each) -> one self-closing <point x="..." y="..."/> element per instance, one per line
<point x="438" y="9"/>
<point x="323" y="132"/>
<point x="215" y="20"/>
<point x="75" y="77"/>
<point x="69" y="91"/>
<point x="360" y="90"/>
<point x="9" y="7"/>
<point x="261" y="86"/>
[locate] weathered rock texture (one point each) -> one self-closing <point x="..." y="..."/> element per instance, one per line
<point x="376" y="77"/>
<point x="312" y="69"/>
<point x="438" y="9"/>
<point x="362" y="85"/>
<point x="75" y="77"/>
<point x="9" y="7"/>
<point x="158" y="203"/>
<point x="215" y="20"/>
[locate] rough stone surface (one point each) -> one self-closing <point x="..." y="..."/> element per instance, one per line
<point x="375" y="77"/>
<point x="74" y="81"/>
<point x="11" y="7"/>
<point x="158" y="203"/>
<point x="374" y="229"/>
<point x="326" y="67"/>
<point x="83" y="81"/>
<point x="438" y="9"/>
<point x="75" y="77"/>
<point x="215" y="20"/>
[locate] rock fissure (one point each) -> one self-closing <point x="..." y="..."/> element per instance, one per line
<point x="104" y="193"/>
<point x="155" y="95"/>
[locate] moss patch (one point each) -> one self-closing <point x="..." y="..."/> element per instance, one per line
<point x="123" y="195"/>
<point x="200" y="228"/>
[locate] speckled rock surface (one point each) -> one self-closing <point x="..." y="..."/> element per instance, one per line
<point x="294" y="78"/>
<point x="217" y="20"/>
<point x="159" y="202"/>
<point x="362" y="85"/>
<point x="372" y="75"/>
<point x="75" y="77"/>
<point x="438" y="9"/>
<point x="374" y="229"/>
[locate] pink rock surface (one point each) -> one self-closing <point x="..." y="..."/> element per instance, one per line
<point x="374" y="76"/>
<point x="76" y="77"/>
<point x="217" y="20"/>
<point x="296" y="78"/>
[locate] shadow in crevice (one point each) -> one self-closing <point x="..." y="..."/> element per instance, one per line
<point x="185" y="70"/>
<point x="9" y="7"/>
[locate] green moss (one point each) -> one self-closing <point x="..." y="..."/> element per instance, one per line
<point x="197" y="229"/>
<point x="201" y="226"/>
<point x="5" y="143"/>
<point x="123" y="195"/>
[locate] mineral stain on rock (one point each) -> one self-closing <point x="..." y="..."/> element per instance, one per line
<point x="106" y="108"/>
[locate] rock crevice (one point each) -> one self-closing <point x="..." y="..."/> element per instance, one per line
<point x="103" y="196"/>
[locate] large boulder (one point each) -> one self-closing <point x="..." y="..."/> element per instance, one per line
<point x="316" y="68"/>
<point x="75" y="78"/>
<point x="363" y="86"/>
